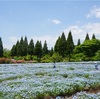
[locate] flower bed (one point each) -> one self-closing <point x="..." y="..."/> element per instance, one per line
<point x="40" y="81"/>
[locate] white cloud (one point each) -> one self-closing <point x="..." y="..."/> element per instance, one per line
<point x="94" y="12"/>
<point x="49" y="39"/>
<point x="56" y="21"/>
<point x="79" y="32"/>
<point x="13" y="39"/>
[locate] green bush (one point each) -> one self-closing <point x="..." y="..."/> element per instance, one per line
<point x="56" y="57"/>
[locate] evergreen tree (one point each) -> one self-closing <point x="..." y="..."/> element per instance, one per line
<point x="38" y="49"/>
<point x="1" y="48"/>
<point x="45" y="49"/>
<point x="93" y="36"/>
<point x="70" y="45"/>
<point x="31" y="47"/>
<point x="79" y="42"/>
<point x="62" y="45"/>
<point x="22" y="47"/>
<point x="25" y="46"/>
<point x="13" y="51"/>
<point x="18" y="48"/>
<point x="87" y="37"/>
<point x="57" y="45"/>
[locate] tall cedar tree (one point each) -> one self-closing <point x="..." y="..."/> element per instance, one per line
<point x="31" y="47"/>
<point x="62" y="45"/>
<point x="57" y="45"/>
<point x="70" y="45"/>
<point x="93" y="36"/>
<point x="79" y="42"/>
<point x="87" y="37"/>
<point x="21" y="47"/>
<point x="1" y="48"/>
<point x="13" y="51"/>
<point x="18" y="47"/>
<point x="25" y="46"/>
<point x="38" y="49"/>
<point x="45" y="48"/>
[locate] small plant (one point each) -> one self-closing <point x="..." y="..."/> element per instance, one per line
<point x="86" y="75"/>
<point x="65" y="75"/>
<point x="71" y="68"/>
<point x="40" y="73"/>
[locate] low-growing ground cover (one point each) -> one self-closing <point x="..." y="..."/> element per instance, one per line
<point x="42" y="81"/>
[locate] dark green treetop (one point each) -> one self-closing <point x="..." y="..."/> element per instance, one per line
<point x="79" y="42"/>
<point x="25" y="46"/>
<point x="62" y="44"/>
<point x="70" y="45"/>
<point x="38" y="49"/>
<point x="45" y="48"/>
<point x="93" y="36"/>
<point x="57" y="45"/>
<point x="87" y="37"/>
<point x="31" y="47"/>
<point x="1" y="48"/>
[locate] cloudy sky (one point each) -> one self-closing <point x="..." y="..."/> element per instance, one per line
<point x="47" y="19"/>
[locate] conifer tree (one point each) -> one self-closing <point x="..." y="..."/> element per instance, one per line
<point x="62" y="45"/>
<point x="45" y="48"/>
<point x="1" y="48"/>
<point x="18" y="48"/>
<point x="87" y="37"/>
<point x="70" y="45"/>
<point x="13" y="50"/>
<point x="93" y="36"/>
<point x="38" y="49"/>
<point x="25" y="46"/>
<point x="31" y="47"/>
<point x="57" y="45"/>
<point x="79" y="42"/>
<point x="21" y="47"/>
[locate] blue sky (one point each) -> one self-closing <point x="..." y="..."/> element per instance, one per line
<point x="47" y="19"/>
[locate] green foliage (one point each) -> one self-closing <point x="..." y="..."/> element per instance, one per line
<point x="57" y="45"/>
<point x="31" y="47"/>
<point x="79" y="42"/>
<point x="1" y="48"/>
<point x="93" y="36"/>
<point x="38" y="49"/>
<point x="70" y="45"/>
<point x="79" y="57"/>
<point x="51" y="52"/>
<point x="71" y="68"/>
<point x="65" y="75"/>
<point x="56" y="57"/>
<point x="46" y="59"/>
<point x="6" y="53"/>
<point x="13" y="51"/>
<point x="97" y="56"/>
<point x="45" y="48"/>
<point x="60" y="46"/>
<point x="87" y="37"/>
<point x="88" y="48"/>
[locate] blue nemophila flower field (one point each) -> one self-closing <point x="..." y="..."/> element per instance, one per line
<point x="42" y="81"/>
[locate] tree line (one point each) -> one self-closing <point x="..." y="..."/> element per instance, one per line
<point x="63" y="50"/>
